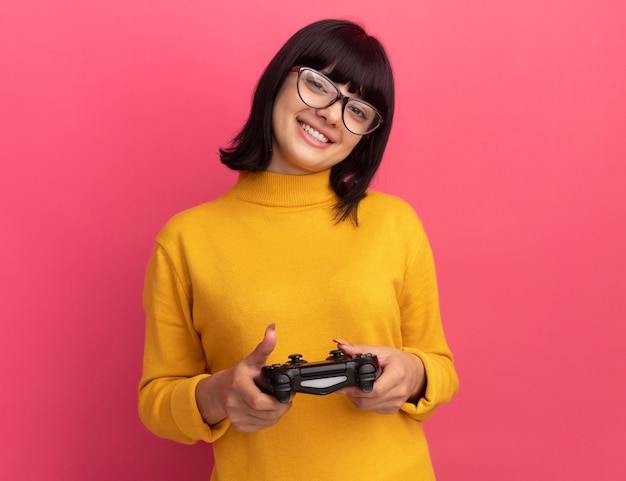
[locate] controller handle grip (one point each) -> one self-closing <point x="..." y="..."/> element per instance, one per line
<point x="367" y="376"/>
<point x="281" y="385"/>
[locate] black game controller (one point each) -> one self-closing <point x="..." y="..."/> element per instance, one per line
<point x="322" y="377"/>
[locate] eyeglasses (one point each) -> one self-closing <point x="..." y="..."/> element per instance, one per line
<point x="318" y="92"/>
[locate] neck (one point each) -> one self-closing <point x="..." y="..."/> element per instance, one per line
<point x="275" y="189"/>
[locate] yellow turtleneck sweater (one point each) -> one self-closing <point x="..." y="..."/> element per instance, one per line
<point x="270" y="251"/>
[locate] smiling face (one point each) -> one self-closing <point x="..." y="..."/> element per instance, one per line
<point x="307" y="140"/>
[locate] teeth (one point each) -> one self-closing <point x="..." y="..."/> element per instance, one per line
<point x="314" y="133"/>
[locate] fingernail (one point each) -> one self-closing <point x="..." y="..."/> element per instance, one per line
<point x="339" y="341"/>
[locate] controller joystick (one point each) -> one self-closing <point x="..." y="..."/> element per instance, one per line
<point x="336" y="355"/>
<point x="296" y="359"/>
<point x="322" y="377"/>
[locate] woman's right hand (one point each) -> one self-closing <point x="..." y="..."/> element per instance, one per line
<point x="233" y="394"/>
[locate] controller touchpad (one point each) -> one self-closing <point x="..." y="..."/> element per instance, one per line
<point x="324" y="382"/>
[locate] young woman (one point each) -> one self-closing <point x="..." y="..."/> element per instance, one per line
<point x="299" y="257"/>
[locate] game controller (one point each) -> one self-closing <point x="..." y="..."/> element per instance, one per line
<point x="321" y="377"/>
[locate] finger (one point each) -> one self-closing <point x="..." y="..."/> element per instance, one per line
<point x="258" y="357"/>
<point x="351" y="349"/>
<point x="350" y="391"/>
<point x="255" y="420"/>
<point x="266" y="411"/>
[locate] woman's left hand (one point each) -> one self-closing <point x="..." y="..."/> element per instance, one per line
<point x="403" y="379"/>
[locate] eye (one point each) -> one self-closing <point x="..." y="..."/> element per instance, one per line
<point x="359" y="111"/>
<point x="316" y="85"/>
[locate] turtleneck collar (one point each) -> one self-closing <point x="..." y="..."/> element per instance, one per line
<point x="282" y="190"/>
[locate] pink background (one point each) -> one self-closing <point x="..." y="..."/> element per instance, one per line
<point x="509" y="141"/>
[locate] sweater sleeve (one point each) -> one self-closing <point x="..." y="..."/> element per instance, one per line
<point x="422" y="330"/>
<point x="174" y="361"/>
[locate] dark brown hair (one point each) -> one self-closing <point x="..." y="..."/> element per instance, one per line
<point x="350" y="56"/>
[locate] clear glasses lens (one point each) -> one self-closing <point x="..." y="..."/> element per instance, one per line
<point x="318" y="92"/>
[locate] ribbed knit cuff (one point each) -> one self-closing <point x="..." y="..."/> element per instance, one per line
<point x="187" y="416"/>
<point x="425" y="407"/>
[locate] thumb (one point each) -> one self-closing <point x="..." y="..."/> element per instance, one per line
<point x="258" y="357"/>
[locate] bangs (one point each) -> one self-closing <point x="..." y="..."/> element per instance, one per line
<point x="357" y="61"/>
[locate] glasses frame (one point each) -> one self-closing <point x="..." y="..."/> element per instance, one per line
<point x="340" y="96"/>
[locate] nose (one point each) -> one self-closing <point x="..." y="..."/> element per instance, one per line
<point x="332" y="114"/>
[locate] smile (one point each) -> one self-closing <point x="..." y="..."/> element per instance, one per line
<point x="314" y="133"/>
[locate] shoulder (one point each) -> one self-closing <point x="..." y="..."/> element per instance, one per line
<point x="187" y="218"/>
<point x="386" y="207"/>
<point x="194" y="222"/>
<point x="395" y="221"/>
